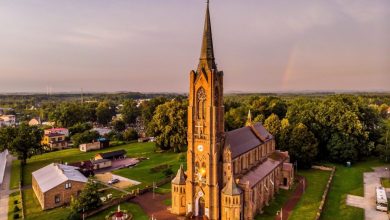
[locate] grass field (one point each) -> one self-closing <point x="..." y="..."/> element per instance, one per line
<point x="137" y="212"/>
<point x="140" y="173"/>
<point x="15" y="174"/>
<point x="347" y="181"/>
<point x="307" y="206"/>
<point x="275" y="205"/>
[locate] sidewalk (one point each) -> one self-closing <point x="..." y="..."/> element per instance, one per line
<point x="292" y="202"/>
<point x="4" y="190"/>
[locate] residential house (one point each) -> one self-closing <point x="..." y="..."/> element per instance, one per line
<point x="34" y="121"/>
<point x="63" y="131"/>
<point x="55" y="184"/>
<point x="8" y="120"/>
<point x="55" y="141"/>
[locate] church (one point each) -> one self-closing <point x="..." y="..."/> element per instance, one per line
<point x="230" y="175"/>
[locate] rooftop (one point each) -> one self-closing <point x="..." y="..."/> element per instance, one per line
<point x="54" y="174"/>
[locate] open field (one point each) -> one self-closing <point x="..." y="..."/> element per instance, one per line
<point x="307" y="206"/>
<point x="347" y="181"/>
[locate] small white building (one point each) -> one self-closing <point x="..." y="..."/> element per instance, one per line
<point x="90" y="146"/>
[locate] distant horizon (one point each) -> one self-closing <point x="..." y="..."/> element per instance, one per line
<point x="185" y="93"/>
<point x="151" y="46"/>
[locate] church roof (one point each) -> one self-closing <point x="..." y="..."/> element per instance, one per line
<point x="180" y="178"/>
<point x="256" y="175"/>
<point x="246" y="138"/>
<point x="231" y="188"/>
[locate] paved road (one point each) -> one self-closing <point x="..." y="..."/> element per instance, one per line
<point x="4" y="190"/>
<point x="368" y="202"/>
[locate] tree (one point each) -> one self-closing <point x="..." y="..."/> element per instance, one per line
<point x="103" y="113"/>
<point x="235" y="118"/>
<point x="273" y="124"/>
<point x="88" y="199"/>
<point x="23" y="141"/>
<point x="302" y="146"/>
<point x="80" y="128"/>
<point x="85" y="137"/>
<point x="169" y="126"/>
<point x="119" y="125"/>
<point x="129" y="111"/>
<point x="130" y="135"/>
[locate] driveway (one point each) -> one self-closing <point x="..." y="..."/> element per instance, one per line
<point x="4" y="190"/>
<point x="368" y="202"/>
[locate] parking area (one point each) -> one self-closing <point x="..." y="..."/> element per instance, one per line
<point x="368" y="202"/>
<point x="123" y="182"/>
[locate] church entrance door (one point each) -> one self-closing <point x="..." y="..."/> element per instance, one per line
<point x="201" y="211"/>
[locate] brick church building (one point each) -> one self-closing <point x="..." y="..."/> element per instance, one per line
<point x="230" y="175"/>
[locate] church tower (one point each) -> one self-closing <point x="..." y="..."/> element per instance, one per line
<point x="205" y="132"/>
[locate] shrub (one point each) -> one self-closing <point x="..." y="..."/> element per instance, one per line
<point x="168" y="172"/>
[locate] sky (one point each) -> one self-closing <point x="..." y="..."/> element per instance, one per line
<point x="151" y="46"/>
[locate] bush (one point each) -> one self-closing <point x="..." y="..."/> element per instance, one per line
<point x="16" y="216"/>
<point x="16" y="209"/>
<point x="159" y="168"/>
<point x="16" y="202"/>
<point x="168" y="172"/>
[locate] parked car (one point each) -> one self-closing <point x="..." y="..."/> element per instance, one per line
<point x="113" y="181"/>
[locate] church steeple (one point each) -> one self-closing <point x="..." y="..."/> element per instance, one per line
<point x="207" y="51"/>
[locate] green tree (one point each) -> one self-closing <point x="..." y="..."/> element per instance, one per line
<point x="119" y="125"/>
<point x="273" y="124"/>
<point x="23" y="141"/>
<point x="129" y="111"/>
<point x="302" y="146"/>
<point x="80" y="128"/>
<point x="130" y="135"/>
<point x="85" y="137"/>
<point x="169" y="126"/>
<point x="103" y="113"/>
<point x="89" y="199"/>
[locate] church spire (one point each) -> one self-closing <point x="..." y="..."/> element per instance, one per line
<point x="207" y="51"/>
<point x="249" y="119"/>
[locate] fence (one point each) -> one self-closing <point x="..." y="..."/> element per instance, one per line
<point x="326" y="191"/>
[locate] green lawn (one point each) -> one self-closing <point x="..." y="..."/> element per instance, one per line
<point x="142" y="172"/>
<point x="385" y="182"/>
<point x="134" y="209"/>
<point x="275" y="205"/>
<point x="33" y="209"/>
<point x="12" y="197"/>
<point x="15" y="174"/>
<point x="310" y="201"/>
<point x="139" y="173"/>
<point x="166" y="188"/>
<point x="347" y="181"/>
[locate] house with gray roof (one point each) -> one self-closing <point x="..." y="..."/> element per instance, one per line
<point x="55" y="184"/>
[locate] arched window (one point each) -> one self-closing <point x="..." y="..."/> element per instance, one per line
<point x="201" y="103"/>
